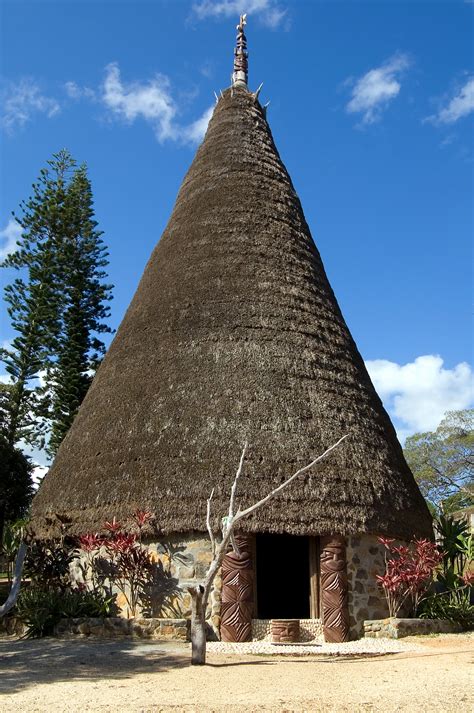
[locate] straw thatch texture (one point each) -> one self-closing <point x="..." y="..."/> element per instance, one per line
<point x="234" y="333"/>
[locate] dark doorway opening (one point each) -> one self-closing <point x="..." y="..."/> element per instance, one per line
<point x="283" y="577"/>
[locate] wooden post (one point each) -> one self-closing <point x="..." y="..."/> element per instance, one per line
<point x="237" y="597"/>
<point x="335" y="612"/>
<point x="314" y="576"/>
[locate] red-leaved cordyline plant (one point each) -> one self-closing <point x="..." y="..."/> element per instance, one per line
<point x="141" y="518"/>
<point x="90" y="544"/>
<point x="408" y="573"/>
<point x="127" y="564"/>
<point x="468" y="579"/>
<point x="130" y="567"/>
<point x="113" y="526"/>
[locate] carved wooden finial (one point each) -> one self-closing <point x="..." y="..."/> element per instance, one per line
<point x="241" y="66"/>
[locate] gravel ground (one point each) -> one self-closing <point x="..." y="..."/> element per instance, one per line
<point x="427" y="674"/>
<point x="362" y="646"/>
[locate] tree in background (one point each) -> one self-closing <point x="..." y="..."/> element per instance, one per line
<point x="16" y="488"/>
<point x="33" y="306"/>
<point x="84" y="308"/>
<point x="442" y="461"/>
<point x="57" y="306"/>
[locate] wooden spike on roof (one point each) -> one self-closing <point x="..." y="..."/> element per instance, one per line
<point x="241" y="64"/>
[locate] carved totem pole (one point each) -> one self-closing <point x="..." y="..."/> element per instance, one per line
<point x="237" y="592"/>
<point x="335" y="612"/>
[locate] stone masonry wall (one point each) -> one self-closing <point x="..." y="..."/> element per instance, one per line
<point x="196" y="549"/>
<point x="365" y="559"/>
<point x="184" y="561"/>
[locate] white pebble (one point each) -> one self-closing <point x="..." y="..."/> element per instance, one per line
<point x="361" y="646"/>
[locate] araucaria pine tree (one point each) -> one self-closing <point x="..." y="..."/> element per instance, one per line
<point x="57" y="306"/>
<point x="81" y="263"/>
<point x="33" y="304"/>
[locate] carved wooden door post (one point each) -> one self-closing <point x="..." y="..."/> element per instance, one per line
<point x="237" y="592"/>
<point x="335" y="612"/>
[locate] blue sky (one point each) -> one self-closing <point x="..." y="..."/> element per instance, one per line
<point x="372" y="107"/>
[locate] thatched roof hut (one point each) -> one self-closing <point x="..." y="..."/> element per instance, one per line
<point x="234" y="334"/>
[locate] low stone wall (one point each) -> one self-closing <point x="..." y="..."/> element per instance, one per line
<point x="12" y="626"/>
<point x="392" y="628"/>
<point x="113" y="627"/>
<point x="168" y="629"/>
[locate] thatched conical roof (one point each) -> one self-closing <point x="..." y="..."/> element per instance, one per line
<point x="234" y="333"/>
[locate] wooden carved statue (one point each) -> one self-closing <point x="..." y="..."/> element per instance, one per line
<point x="237" y="593"/>
<point x="335" y="612"/>
<point x="241" y="65"/>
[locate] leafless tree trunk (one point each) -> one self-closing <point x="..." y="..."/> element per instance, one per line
<point x="16" y="581"/>
<point x="201" y="592"/>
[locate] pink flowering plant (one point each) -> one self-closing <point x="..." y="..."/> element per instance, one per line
<point x="409" y="571"/>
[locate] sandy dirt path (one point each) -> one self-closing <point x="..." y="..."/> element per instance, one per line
<point x="70" y="675"/>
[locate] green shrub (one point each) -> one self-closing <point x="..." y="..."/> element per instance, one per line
<point x="40" y="610"/>
<point x="455" y="607"/>
<point x="47" y="563"/>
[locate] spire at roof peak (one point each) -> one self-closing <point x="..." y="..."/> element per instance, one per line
<point x="241" y="65"/>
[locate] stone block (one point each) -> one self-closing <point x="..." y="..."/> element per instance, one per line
<point x="186" y="572"/>
<point x="201" y="570"/>
<point x="167" y="630"/>
<point x="399" y="628"/>
<point x="373" y="601"/>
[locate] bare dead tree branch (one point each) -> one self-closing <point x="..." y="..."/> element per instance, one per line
<point x="201" y="592"/>
<point x="243" y="513"/>
<point x="236" y="480"/>
<point x="208" y="523"/>
<point x="16" y="581"/>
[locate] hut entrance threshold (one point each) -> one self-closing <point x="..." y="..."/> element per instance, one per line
<point x="286" y="577"/>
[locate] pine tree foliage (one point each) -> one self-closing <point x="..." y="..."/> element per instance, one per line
<point x="57" y="305"/>
<point x="85" y="296"/>
<point x="33" y="303"/>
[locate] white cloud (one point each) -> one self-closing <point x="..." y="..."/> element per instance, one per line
<point x="375" y="89"/>
<point x="269" y="12"/>
<point x="38" y="474"/>
<point x="22" y="101"/>
<point x="207" y="69"/>
<point x="74" y="91"/>
<point x="151" y="101"/>
<point x="40" y="460"/>
<point x="8" y="238"/>
<point x="418" y="394"/>
<point x="461" y="105"/>
<point x="194" y="133"/>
